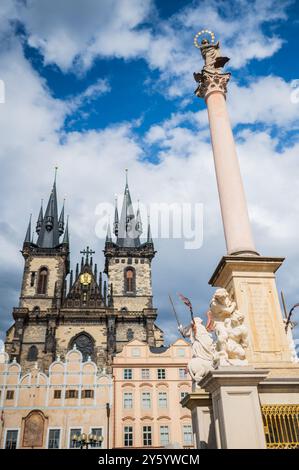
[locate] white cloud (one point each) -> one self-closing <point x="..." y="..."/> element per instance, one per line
<point x="73" y="34"/>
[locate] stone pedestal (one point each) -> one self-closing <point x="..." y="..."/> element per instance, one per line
<point x="250" y="281"/>
<point x="236" y="408"/>
<point x="200" y="404"/>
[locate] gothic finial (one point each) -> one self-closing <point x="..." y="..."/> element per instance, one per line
<point x="66" y="238"/>
<point x="108" y="236"/>
<point x="28" y="232"/>
<point x="55" y="175"/>
<point x="61" y="220"/>
<point x="149" y="233"/>
<point x="40" y="219"/>
<point x="116" y="219"/>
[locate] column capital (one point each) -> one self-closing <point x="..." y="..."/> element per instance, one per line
<point x="210" y="82"/>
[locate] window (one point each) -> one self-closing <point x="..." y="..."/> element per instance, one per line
<point x="87" y="393"/>
<point x="71" y="394"/>
<point x="145" y="374"/>
<point x="128" y="436"/>
<point x="164" y="435"/>
<point x="187" y="435"/>
<point x="135" y="352"/>
<point x="128" y="374"/>
<point x="74" y="432"/>
<point x="85" y="344"/>
<point x="146" y="400"/>
<point x="129" y="280"/>
<point x="128" y="400"/>
<point x="57" y="394"/>
<point x="98" y="433"/>
<point x="181" y="352"/>
<point x="147" y="435"/>
<point x="10" y="394"/>
<point x="42" y="281"/>
<point x="162" y="400"/>
<point x="130" y="334"/>
<point x="182" y="395"/>
<point x="161" y="374"/>
<point x="54" y="438"/>
<point x="32" y="353"/>
<point x="183" y="373"/>
<point x="11" y="439"/>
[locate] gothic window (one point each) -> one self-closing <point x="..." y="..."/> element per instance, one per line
<point x="130" y="280"/>
<point x="130" y="334"/>
<point x="42" y="281"/>
<point x="32" y="353"/>
<point x="85" y="344"/>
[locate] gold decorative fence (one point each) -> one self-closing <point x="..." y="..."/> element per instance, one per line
<point x="281" y="426"/>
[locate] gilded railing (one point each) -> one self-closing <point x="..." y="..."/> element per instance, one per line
<point x="281" y="426"/>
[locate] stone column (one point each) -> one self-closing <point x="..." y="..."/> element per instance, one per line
<point x="233" y="204"/>
<point x="236" y="408"/>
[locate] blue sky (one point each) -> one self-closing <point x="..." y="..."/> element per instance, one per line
<point x="97" y="87"/>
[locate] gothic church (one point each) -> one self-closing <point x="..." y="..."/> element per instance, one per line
<point x="98" y="313"/>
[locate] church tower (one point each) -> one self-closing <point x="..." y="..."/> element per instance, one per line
<point x="46" y="265"/>
<point x="128" y="267"/>
<point x="60" y="309"/>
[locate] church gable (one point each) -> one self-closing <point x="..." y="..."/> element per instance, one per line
<point x="86" y="291"/>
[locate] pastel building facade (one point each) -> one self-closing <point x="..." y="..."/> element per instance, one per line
<point x="41" y="410"/>
<point x="149" y="384"/>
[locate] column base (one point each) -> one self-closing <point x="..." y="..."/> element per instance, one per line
<point x="236" y="408"/>
<point x="250" y="281"/>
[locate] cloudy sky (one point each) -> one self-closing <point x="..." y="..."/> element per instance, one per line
<point x="95" y="87"/>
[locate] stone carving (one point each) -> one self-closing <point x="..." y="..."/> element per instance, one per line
<point x="212" y="57"/>
<point x="211" y="78"/>
<point x="231" y="333"/>
<point x="204" y="357"/>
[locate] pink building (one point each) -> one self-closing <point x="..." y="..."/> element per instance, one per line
<point x="149" y="384"/>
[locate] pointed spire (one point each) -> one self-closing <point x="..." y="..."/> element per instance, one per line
<point x="61" y="220"/>
<point x="66" y="238"/>
<point x="116" y="219"/>
<point x="49" y="232"/>
<point x="108" y="236"/>
<point x="127" y="234"/>
<point x="40" y="219"/>
<point x="149" y="232"/>
<point x="28" y="232"/>
<point x="138" y="221"/>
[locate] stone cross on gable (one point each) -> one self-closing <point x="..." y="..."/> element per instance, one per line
<point x="87" y="252"/>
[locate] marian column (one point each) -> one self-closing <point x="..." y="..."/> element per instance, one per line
<point x="248" y="277"/>
<point x="212" y="87"/>
<point x="256" y="376"/>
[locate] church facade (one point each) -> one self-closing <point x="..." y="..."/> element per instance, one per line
<point x="97" y="312"/>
